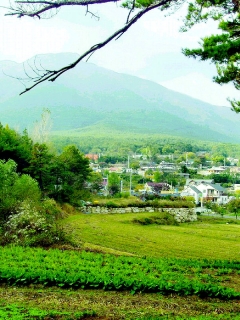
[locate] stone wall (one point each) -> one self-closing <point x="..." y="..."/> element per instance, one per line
<point x="180" y="214"/>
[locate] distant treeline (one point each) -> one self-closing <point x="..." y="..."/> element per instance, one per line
<point x="123" y="144"/>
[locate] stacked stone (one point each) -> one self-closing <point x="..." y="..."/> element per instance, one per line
<point x="180" y="214"/>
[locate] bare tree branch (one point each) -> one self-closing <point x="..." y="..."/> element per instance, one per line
<point x="36" y="8"/>
<point x="52" y="75"/>
<point x="41" y="6"/>
<point x="131" y="10"/>
<point x="92" y="14"/>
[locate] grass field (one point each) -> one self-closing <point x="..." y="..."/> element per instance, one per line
<point x="209" y="238"/>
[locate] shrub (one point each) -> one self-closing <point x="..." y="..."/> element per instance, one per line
<point x="156" y="203"/>
<point x="163" y="218"/>
<point x="111" y="204"/>
<point x="50" y="209"/>
<point x="125" y="195"/>
<point x="68" y="208"/>
<point x="34" y="225"/>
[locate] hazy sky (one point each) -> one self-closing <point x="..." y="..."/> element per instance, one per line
<point x="150" y="49"/>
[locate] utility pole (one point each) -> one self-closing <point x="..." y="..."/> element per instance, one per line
<point x="107" y="184"/>
<point x="130" y="186"/>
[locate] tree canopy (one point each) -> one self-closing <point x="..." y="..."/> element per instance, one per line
<point x="15" y="146"/>
<point x="221" y="49"/>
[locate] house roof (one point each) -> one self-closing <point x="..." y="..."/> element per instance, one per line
<point x="195" y="189"/>
<point x="198" y="181"/>
<point x="217" y="186"/>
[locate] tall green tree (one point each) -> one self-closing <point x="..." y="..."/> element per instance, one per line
<point x="221" y="49"/>
<point x="73" y="172"/>
<point x="40" y="166"/>
<point x="113" y="183"/>
<point x="15" y="146"/>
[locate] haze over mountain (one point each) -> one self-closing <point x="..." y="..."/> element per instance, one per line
<point x="90" y="97"/>
<point x="202" y="88"/>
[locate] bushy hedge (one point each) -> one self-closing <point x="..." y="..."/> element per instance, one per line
<point x="162" y="218"/>
<point x="150" y="203"/>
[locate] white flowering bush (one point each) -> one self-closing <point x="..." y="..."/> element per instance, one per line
<point x="33" y="225"/>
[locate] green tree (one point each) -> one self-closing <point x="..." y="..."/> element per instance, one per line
<point x="225" y="177"/>
<point x="40" y="166"/>
<point x="218" y="159"/>
<point x="167" y="149"/>
<point x="73" y="171"/>
<point x="157" y="176"/>
<point x="95" y="181"/>
<point x="25" y="187"/>
<point x="221" y="49"/>
<point x="135" y="165"/>
<point x="184" y="169"/>
<point x="113" y="183"/>
<point x="234" y="207"/>
<point x="15" y="188"/>
<point x="8" y="176"/>
<point x="15" y="146"/>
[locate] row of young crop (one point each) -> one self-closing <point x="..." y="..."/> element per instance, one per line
<point x="90" y="270"/>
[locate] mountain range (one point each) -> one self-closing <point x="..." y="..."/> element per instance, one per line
<point x="89" y="98"/>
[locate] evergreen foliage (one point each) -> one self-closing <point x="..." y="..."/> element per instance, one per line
<point x="221" y="49"/>
<point x="15" y="188"/>
<point x="15" y="146"/>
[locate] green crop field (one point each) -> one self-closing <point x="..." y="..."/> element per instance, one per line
<point x="132" y="271"/>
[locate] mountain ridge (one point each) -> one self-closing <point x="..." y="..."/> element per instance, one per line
<point x="89" y="94"/>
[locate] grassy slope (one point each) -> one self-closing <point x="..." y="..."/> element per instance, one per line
<point x="202" y="239"/>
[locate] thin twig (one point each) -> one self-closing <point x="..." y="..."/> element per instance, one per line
<point x="47" y="6"/>
<point x="131" y="10"/>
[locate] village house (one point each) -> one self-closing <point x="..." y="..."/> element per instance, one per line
<point x="205" y="190"/>
<point x="217" y="170"/>
<point x="195" y="182"/>
<point x="192" y="191"/>
<point x="92" y="156"/>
